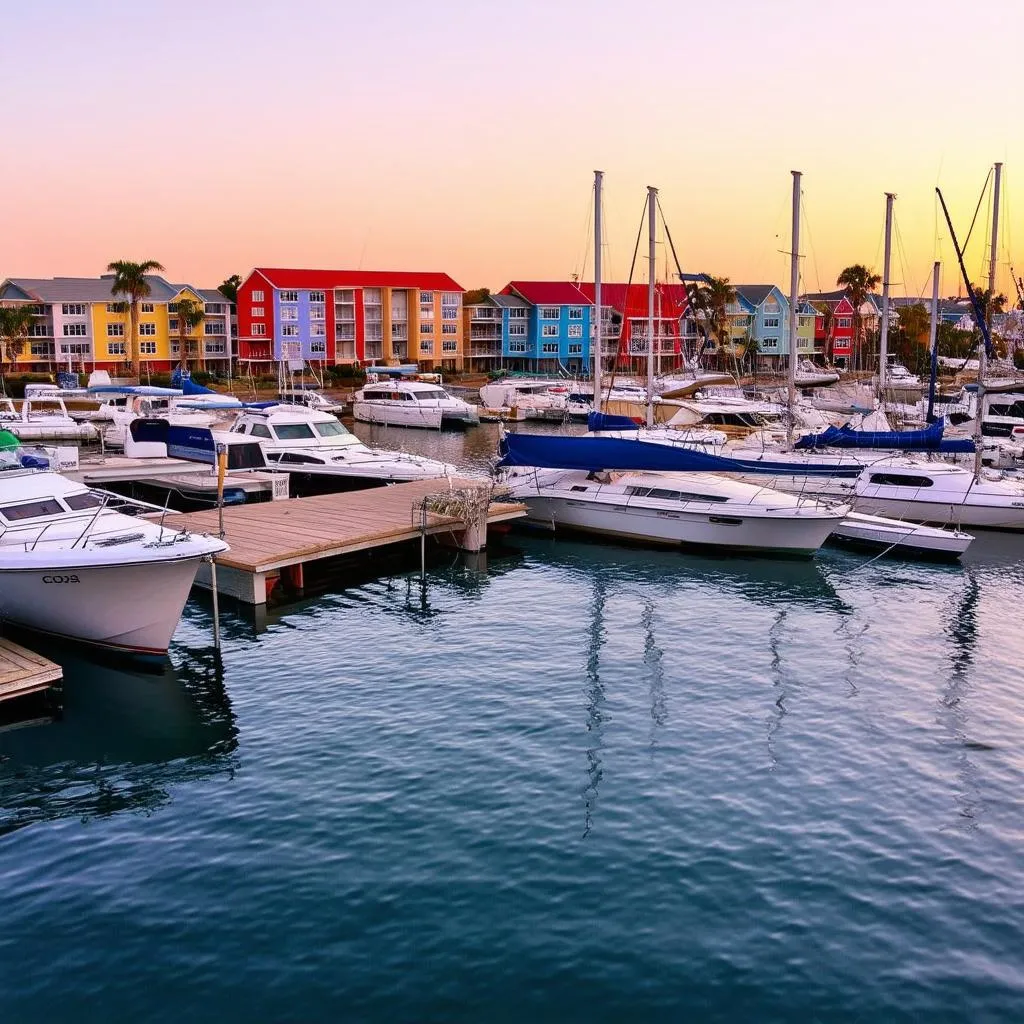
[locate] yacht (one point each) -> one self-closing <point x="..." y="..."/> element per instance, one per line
<point x="310" y="398"/>
<point x="412" y="403"/>
<point x="43" y="419"/>
<point x="810" y="376"/>
<point x="323" y="457"/>
<point x="166" y="404"/>
<point x="899" y="378"/>
<point x="527" y="398"/>
<point x="679" y="509"/>
<point x="72" y="565"/>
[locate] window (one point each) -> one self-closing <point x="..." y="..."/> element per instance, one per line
<point x="115" y="330"/>
<point x="426" y="298"/>
<point x="41" y="349"/>
<point x="333" y="429"/>
<point x="575" y="312"/>
<point x="259" y="430"/>
<point x="31" y="510"/>
<point x="216" y="348"/>
<point x="517" y="313"/>
<point x="37" y="310"/>
<point x="257" y="297"/>
<point x="318" y="330"/>
<point x="112" y="307"/>
<point x="900" y="480"/>
<point x="256" y="311"/>
<point x="289" y="332"/>
<point x="289" y="312"/>
<point x="316" y="312"/>
<point x="345" y="332"/>
<point x="426" y="328"/>
<point x="115" y="348"/>
<point x="74" y="330"/>
<point x="426" y="310"/>
<point x="73" y="309"/>
<point x="316" y="296"/>
<point x="771" y="321"/>
<point x="768" y="343"/>
<point x="145" y="329"/>
<point x="426" y="345"/>
<point x="317" y="347"/>
<point x="147" y="307"/>
<point x="549" y="312"/>
<point x="576" y="350"/>
<point x="75" y="349"/>
<point x="550" y="347"/>
<point x="213" y="307"/>
<point x="549" y="331"/>
<point x="259" y="330"/>
<point x="516" y="330"/>
<point x="575" y="330"/>
<point x="80" y="502"/>
<point x="449" y="328"/>
<point x="449" y="312"/>
<point x="771" y="306"/>
<point x="289" y="296"/>
<point x="449" y="346"/>
<point x="147" y="348"/>
<point x="843" y="321"/>
<point x="517" y="346"/>
<point x="172" y="324"/>
<point x="39" y="331"/>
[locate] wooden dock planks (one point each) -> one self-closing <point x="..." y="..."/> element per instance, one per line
<point x="23" y="671"/>
<point x="269" y="536"/>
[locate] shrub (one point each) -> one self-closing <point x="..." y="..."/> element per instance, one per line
<point x="1018" y="358"/>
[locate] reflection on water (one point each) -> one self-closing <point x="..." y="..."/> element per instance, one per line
<point x="595" y="700"/>
<point x="122" y="738"/>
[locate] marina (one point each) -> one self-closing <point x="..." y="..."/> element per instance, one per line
<point x="23" y="672"/>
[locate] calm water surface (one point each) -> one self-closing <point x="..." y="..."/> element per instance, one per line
<point x="584" y="783"/>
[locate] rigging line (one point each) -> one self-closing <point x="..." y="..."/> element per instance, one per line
<point x="625" y="303"/>
<point x="580" y="270"/>
<point x="810" y="241"/>
<point x="981" y="199"/>
<point x="701" y="332"/>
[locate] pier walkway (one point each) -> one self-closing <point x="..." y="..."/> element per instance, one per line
<point x="23" y="671"/>
<point x="271" y="540"/>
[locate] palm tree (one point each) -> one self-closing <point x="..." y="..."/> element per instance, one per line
<point x="859" y="282"/>
<point x="712" y="298"/>
<point x="229" y="288"/>
<point x="130" y="280"/>
<point x="14" y="324"/>
<point x="190" y="315"/>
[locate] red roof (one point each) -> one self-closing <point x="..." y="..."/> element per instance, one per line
<point x="547" y="293"/>
<point x="672" y="297"/>
<point x="288" y="278"/>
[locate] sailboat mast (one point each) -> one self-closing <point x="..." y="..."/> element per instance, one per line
<point x="883" y="343"/>
<point x="652" y="208"/>
<point x="933" y="342"/>
<point x="987" y="331"/>
<point x="794" y="298"/>
<point x="598" y="181"/>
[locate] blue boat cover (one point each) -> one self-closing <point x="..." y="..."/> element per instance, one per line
<point x="599" y="453"/>
<point x="929" y="439"/>
<point x="598" y="421"/>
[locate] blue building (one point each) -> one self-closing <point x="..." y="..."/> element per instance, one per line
<point x="548" y="329"/>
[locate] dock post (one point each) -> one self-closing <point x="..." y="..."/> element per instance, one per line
<point x="423" y="542"/>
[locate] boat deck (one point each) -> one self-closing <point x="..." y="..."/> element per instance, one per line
<point x="274" y="538"/>
<point x="23" y="672"/>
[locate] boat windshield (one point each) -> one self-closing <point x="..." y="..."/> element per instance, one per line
<point x="430" y="396"/>
<point x="293" y="431"/>
<point x="330" y="429"/>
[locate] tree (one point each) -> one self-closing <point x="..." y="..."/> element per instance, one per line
<point x="130" y="280"/>
<point x="859" y="282"/>
<point x="475" y="296"/>
<point x="14" y="324"/>
<point x="990" y="304"/>
<point x="712" y="298"/>
<point x="229" y="288"/>
<point x="190" y="315"/>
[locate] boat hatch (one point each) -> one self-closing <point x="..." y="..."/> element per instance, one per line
<point x="125" y="538"/>
<point x="901" y="480"/>
<point x="31" y="510"/>
<point x="667" y="495"/>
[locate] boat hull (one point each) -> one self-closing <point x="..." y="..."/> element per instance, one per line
<point x="728" y="530"/>
<point x="130" y="608"/>
<point x="393" y="416"/>
<point x="991" y="517"/>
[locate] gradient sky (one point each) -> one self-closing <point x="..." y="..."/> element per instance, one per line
<point x="220" y="135"/>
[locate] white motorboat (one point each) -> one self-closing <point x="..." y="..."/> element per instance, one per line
<point x="682" y="385"/>
<point x="810" y="376"/>
<point x="527" y="398"/>
<point x="689" y="509"/>
<point x="43" y="419"/>
<point x="322" y="456"/>
<point x="937" y="492"/>
<point x="71" y="565"/>
<point x="176" y="408"/>
<point x="412" y="403"/>
<point x="310" y="398"/>
<point x="901" y="539"/>
<point x="899" y="378"/>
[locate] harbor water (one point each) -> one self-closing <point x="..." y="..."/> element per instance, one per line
<point x="578" y="782"/>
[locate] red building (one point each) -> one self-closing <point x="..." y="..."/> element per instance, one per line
<point x="833" y="328"/>
<point x="349" y="316"/>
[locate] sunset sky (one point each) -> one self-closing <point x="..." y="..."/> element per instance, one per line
<point x="220" y="135"/>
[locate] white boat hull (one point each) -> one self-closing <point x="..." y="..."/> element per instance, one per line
<point x="798" y="533"/>
<point x="992" y="516"/>
<point x="900" y="538"/>
<point x="132" y="608"/>
<point x="43" y="431"/>
<point x="398" y="416"/>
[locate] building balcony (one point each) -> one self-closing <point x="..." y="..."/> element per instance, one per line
<point x="374" y="349"/>
<point x="484" y="332"/>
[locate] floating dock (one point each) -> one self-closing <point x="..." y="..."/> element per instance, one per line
<point x="23" y="672"/>
<point x="274" y="540"/>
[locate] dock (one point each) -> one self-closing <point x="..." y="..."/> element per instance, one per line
<point x="23" y="672"/>
<point x="272" y="541"/>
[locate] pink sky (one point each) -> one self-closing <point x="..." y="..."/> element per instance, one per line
<point x="462" y="136"/>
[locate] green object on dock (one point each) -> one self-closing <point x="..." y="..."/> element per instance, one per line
<point x="8" y="440"/>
